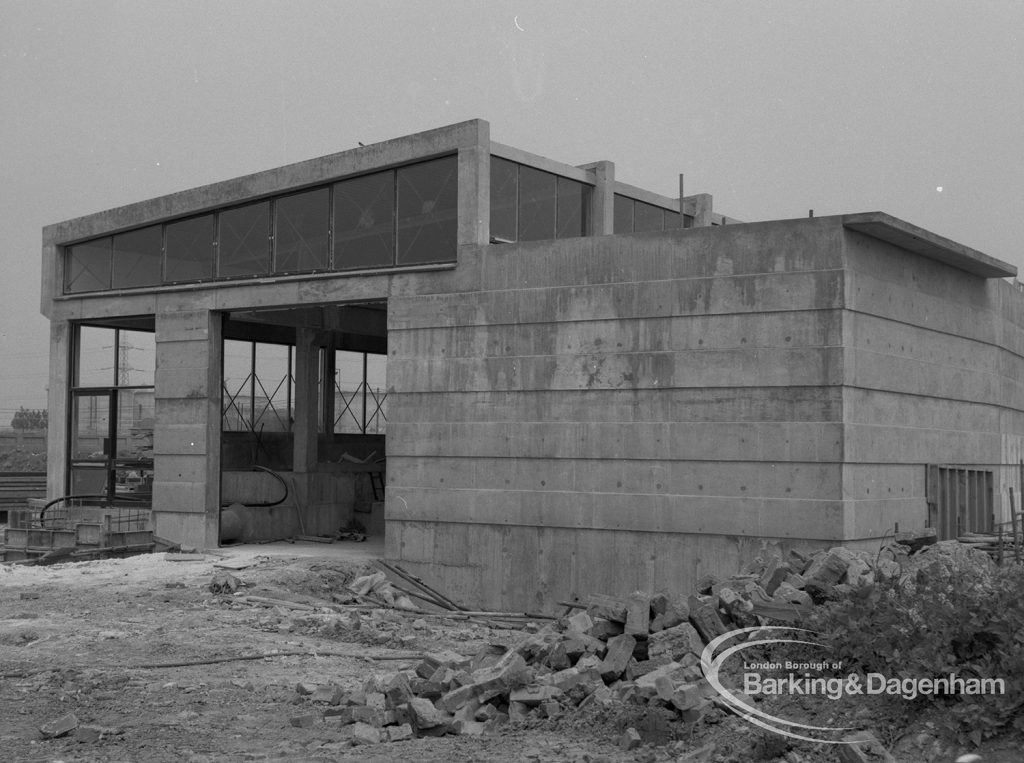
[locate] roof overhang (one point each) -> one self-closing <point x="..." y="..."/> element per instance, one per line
<point x="927" y="244"/>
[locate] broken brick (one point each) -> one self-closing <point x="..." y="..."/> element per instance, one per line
<point x="581" y="621"/>
<point x="638" y="613"/>
<point x="369" y="715"/>
<point x="620" y="650"/>
<point x="534" y="695"/>
<point x="400" y="732"/>
<point x="58" y="727"/>
<point x="604" y="607"/>
<point x="363" y="733"/>
<point x="423" y="714"/>
<point x="605" y="629"/>
<point x="332" y="695"/>
<point x="469" y="728"/>
<point x="456" y="698"/>
<point x="675" y="642"/>
<point x="705" y="619"/>
<point x="304" y="720"/>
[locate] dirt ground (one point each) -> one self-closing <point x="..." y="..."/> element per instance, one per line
<point x="98" y="639"/>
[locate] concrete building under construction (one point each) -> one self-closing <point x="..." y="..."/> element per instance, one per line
<point x="538" y="382"/>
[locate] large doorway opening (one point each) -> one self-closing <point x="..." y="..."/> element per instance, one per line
<point x="304" y="422"/>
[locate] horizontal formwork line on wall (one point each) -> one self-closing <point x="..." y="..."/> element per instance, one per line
<point x="731" y="462"/>
<point x="938" y="332"/>
<point x="945" y="399"/>
<point x="613" y="281"/>
<point x="621" y="511"/>
<point x="568" y="304"/>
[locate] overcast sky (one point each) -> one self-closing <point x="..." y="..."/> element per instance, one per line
<point x="775" y="108"/>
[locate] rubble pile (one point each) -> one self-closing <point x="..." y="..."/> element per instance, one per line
<point x="603" y="654"/>
<point x="642" y="649"/>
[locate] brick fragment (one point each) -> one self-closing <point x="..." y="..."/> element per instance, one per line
<point x="427" y="666"/>
<point x="331" y="695"/>
<point x="304" y="720"/>
<point x="577" y="644"/>
<point x="518" y="712"/>
<point x="581" y="621"/>
<point x="605" y="629"/>
<point x="534" y="695"/>
<point x="687" y="696"/>
<point x="827" y="569"/>
<point x="342" y="714"/>
<point x="638" y="613"/>
<point x="399" y="732"/>
<point x="674" y="642"/>
<point x="507" y="674"/>
<point x="607" y="608"/>
<point x="456" y="698"/>
<point x="368" y="715"/>
<point x="705" y="619"/>
<point x="469" y="728"/>
<point x="423" y="714"/>
<point x="60" y="726"/>
<point x="620" y="650"/>
<point x="363" y="733"/>
<point x="644" y="667"/>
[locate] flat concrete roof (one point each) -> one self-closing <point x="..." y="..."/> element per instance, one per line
<point x="927" y="244"/>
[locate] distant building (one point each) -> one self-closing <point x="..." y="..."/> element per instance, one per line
<point x="589" y="386"/>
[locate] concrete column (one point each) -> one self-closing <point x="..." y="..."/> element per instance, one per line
<point x="186" y="438"/>
<point x="603" y="201"/>
<point x="475" y="188"/>
<point x="305" y="427"/>
<point x="58" y="407"/>
<point x="702" y="211"/>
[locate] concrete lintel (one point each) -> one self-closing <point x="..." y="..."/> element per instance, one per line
<point x="389" y="153"/>
<point x="541" y="163"/>
<point x="927" y="244"/>
<point x="650" y="197"/>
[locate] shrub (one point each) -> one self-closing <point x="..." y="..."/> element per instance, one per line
<point x="949" y="614"/>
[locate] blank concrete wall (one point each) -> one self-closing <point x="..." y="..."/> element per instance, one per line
<point x="934" y="373"/>
<point x="617" y="412"/>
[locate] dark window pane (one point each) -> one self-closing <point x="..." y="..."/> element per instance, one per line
<point x="573" y="208"/>
<point x="623" y="214"/>
<point x="189" y="255"/>
<point x="87" y="267"/>
<point x="364" y="221"/>
<point x="504" y="198"/>
<point x="687" y="221"/>
<point x="90" y="437"/>
<point x="300" y="231"/>
<point x="536" y="204"/>
<point x="137" y="257"/>
<point x="428" y="201"/>
<point x="671" y="220"/>
<point x="89" y="480"/>
<point x="646" y="217"/>
<point x="244" y="243"/>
